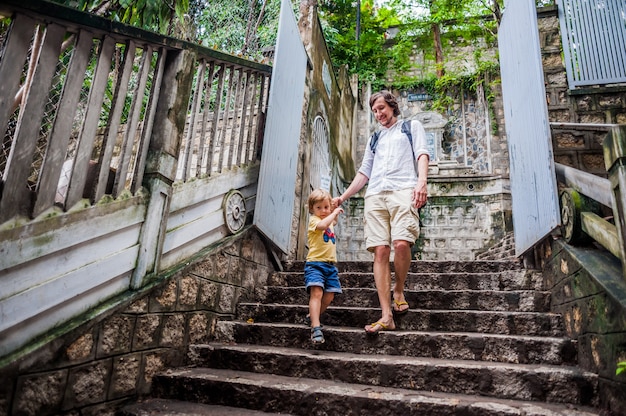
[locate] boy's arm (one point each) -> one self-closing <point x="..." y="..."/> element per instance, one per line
<point x="331" y="219"/>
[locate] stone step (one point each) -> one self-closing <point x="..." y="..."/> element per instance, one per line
<point x="483" y="300"/>
<point x="448" y="345"/>
<point x="546" y="383"/>
<point x="312" y="397"/>
<point x="491" y="322"/>
<point x="503" y="280"/>
<point x="426" y="266"/>
<point x="163" y="407"/>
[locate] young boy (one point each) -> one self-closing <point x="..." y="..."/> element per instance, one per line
<point x="320" y="273"/>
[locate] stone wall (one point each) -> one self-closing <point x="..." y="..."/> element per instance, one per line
<point x="465" y="217"/>
<point x="476" y="150"/>
<point x="589" y="291"/>
<point x="111" y="359"/>
<point x="329" y="97"/>
<point x="469" y="206"/>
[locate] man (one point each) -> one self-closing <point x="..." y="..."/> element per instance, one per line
<point x="394" y="194"/>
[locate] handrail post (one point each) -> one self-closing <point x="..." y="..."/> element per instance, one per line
<point x="615" y="161"/>
<point x="162" y="161"/>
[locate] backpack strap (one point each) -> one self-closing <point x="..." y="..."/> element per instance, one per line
<point x="406" y="129"/>
<point x="374" y="141"/>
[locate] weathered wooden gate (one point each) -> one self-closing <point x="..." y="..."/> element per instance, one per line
<point x="533" y="181"/>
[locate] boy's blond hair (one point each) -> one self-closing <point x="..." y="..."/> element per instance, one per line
<point x="316" y="196"/>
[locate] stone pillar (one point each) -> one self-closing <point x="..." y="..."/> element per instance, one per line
<point x="615" y="161"/>
<point x="167" y="135"/>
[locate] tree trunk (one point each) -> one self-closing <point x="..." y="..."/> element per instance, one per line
<point x="438" y="50"/>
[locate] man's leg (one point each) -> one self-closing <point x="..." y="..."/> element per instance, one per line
<point x="382" y="278"/>
<point x="401" y="263"/>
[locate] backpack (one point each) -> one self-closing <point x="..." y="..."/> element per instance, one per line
<point x="406" y="129"/>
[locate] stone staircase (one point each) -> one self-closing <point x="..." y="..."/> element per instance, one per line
<point x="479" y="340"/>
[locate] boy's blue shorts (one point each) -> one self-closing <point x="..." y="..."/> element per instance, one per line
<point x="325" y="275"/>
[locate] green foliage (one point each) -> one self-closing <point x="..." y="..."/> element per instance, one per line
<point x="156" y="15"/>
<point x="238" y="26"/>
<point x="368" y="55"/>
<point x="621" y="367"/>
<point x="395" y="31"/>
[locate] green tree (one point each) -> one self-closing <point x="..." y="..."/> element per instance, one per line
<point x="365" y="52"/>
<point x="242" y="27"/>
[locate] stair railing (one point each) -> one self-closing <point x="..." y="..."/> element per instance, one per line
<point x="583" y="196"/>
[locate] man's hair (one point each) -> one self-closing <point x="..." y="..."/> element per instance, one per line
<point x="389" y="98"/>
<point x="316" y="196"/>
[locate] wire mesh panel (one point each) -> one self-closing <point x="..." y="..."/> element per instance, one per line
<point x="320" y="161"/>
<point x="73" y="111"/>
<point x="594" y="41"/>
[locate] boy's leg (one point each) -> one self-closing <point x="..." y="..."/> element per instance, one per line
<point x="327" y="298"/>
<point x="316" y="294"/>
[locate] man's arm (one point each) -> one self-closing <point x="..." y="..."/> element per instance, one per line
<point x="358" y="182"/>
<point x="420" y="192"/>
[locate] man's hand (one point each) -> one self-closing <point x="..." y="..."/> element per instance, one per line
<point x="420" y="194"/>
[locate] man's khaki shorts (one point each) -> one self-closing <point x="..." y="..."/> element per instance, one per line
<point x="390" y="216"/>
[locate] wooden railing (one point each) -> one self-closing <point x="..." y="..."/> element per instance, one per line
<point x="123" y="154"/>
<point x="585" y="198"/>
<point x="78" y="101"/>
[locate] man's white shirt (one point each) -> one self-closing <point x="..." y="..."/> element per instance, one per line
<point x="392" y="166"/>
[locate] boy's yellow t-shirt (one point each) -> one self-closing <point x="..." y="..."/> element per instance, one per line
<point x="322" y="243"/>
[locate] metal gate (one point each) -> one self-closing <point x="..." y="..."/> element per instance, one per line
<point x="594" y="35"/>
<point x="533" y="180"/>
<point x="320" y="160"/>
<point x="274" y="207"/>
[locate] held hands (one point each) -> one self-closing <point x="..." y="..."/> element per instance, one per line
<point x="336" y="207"/>
<point x="420" y="195"/>
<point x="336" y="211"/>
